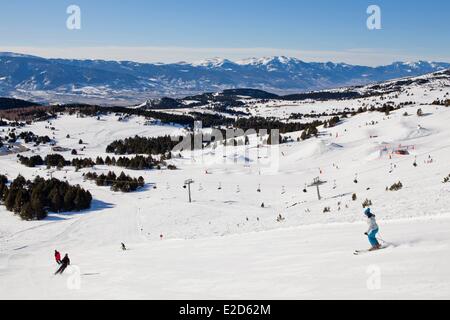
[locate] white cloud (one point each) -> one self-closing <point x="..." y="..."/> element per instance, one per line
<point x="361" y="56"/>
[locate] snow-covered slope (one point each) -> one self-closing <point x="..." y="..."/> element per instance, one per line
<point x="224" y="244"/>
<point x="425" y="89"/>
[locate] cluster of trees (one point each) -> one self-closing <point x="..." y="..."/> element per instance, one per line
<point x="55" y="160"/>
<point x="31" y="162"/>
<point x="123" y="182"/>
<point x="442" y="102"/>
<point x="323" y="96"/>
<point x="406" y="103"/>
<point x="227" y="110"/>
<point x="32" y="199"/>
<point x="396" y="186"/>
<point x="10" y="103"/>
<point x="367" y="203"/>
<point x="298" y="116"/>
<point x="89" y="110"/>
<point x="37" y="114"/>
<point x="208" y="120"/>
<point x="164" y="103"/>
<point x="227" y="98"/>
<point x="309" y="132"/>
<point x="385" y="108"/>
<point x="446" y="179"/>
<point x="30" y="137"/>
<point x="142" y="145"/>
<point x="11" y="137"/>
<point x="135" y="163"/>
<point x="212" y="120"/>
<point x="258" y="123"/>
<point x="243" y="125"/>
<point x="332" y="122"/>
<point x="29" y="114"/>
<point x="82" y="163"/>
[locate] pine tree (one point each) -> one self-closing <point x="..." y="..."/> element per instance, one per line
<point x="57" y="200"/>
<point x="419" y="112"/>
<point x="20" y="200"/>
<point x="304" y="135"/>
<point x="26" y="213"/>
<point x="78" y="201"/>
<point x="69" y="198"/>
<point x="10" y="199"/>
<point x="141" y="181"/>
<point x="3" y="187"/>
<point x="38" y="209"/>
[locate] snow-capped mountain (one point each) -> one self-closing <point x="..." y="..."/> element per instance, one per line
<point x="63" y="80"/>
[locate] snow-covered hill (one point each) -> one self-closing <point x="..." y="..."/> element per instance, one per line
<point x="252" y="102"/>
<point x="224" y="244"/>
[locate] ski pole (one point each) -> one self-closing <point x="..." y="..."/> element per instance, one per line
<point x="380" y="239"/>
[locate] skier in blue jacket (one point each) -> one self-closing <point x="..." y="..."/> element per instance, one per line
<point x="373" y="230"/>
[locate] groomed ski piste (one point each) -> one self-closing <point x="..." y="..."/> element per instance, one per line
<point x="224" y="245"/>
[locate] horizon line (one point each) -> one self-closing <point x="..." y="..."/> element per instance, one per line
<point x="177" y="55"/>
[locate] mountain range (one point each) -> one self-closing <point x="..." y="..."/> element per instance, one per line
<point x="65" y="80"/>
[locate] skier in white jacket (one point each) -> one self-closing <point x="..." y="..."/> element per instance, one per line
<point x="373" y="230"/>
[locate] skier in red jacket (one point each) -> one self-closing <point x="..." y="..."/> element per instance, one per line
<point x="57" y="257"/>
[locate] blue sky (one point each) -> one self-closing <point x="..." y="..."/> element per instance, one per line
<point x="175" y="30"/>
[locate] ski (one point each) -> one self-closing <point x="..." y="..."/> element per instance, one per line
<point x="358" y="252"/>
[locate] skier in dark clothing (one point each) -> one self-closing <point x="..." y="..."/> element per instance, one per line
<point x="64" y="263"/>
<point x="57" y="257"/>
<point x="123" y="247"/>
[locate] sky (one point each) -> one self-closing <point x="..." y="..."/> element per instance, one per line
<point x="192" y="30"/>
